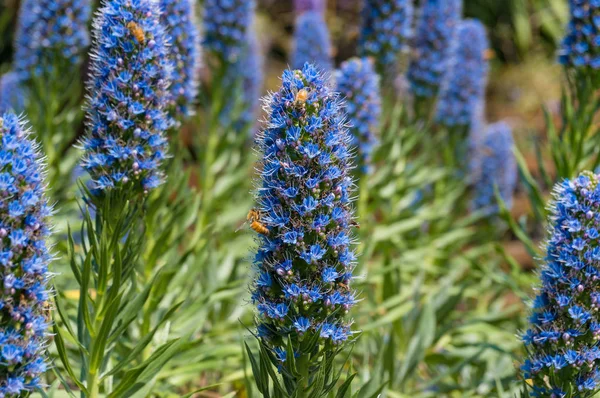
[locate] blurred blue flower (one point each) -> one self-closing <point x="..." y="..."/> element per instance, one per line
<point x="12" y="96"/>
<point x="301" y="6"/>
<point x="225" y="26"/>
<point x="562" y="340"/>
<point x="50" y="32"/>
<point x="496" y="166"/>
<point x="465" y="86"/>
<point x="246" y="76"/>
<point x="358" y="83"/>
<point x="304" y="201"/>
<point x="128" y="97"/>
<point x="311" y="42"/>
<point x="385" y="32"/>
<point x="434" y="37"/>
<point x="579" y="46"/>
<point x="24" y="256"/>
<point x="179" y="19"/>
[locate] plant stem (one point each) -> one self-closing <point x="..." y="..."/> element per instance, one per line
<point x="302" y="364"/>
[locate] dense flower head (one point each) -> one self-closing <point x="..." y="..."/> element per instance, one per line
<point x="179" y="19"/>
<point x="305" y="257"/>
<point x="246" y="75"/>
<point x="562" y="339"/>
<point x="386" y="30"/>
<point x="309" y="5"/>
<point x="128" y="97"/>
<point x="580" y="45"/>
<point x="311" y="41"/>
<point x="435" y="33"/>
<point x="11" y="93"/>
<point x="24" y="255"/>
<point x="465" y="86"/>
<point x="497" y="167"/>
<point x="225" y="26"/>
<point x="49" y="30"/>
<point x="358" y="83"/>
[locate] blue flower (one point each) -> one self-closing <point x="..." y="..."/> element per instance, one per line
<point x="24" y="276"/>
<point x="301" y="6"/>
<point x="434" y="37"/>
<point x="579" y="46"/>
<point x="179" y="19"/>
<point x="11" y="93"/>
<point x="310" y="263"/>
<point x="358" y="83"/>
<point x="562" y="339"/>
<point x="311" y="42"/>
<point x="128" y="98"/>
<point x="496" y="167"/>
<point x="225" y="25"/>
<point x="50" y="30"/>
<point x="385" y="31"/>
<point x="464" y="89"/>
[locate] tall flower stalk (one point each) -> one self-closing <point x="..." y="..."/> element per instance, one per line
<point x="304" y="218"/>
<point x="11" y="93"/>
<point x="561" y="342"/>
<point x="434" y="39"/>
<point x="25" y="256"/>
<point x="127" y="119"/>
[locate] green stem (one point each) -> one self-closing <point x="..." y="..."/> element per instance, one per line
<point x="93" y="384"/>
<point x="302" y="365"/>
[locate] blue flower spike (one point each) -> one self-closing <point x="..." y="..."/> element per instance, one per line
<point x="312" y="43"/>
<point x="24" y="255"/>
<point x="304" y="217"/>
<point x="385" y="32"/>
<point x="179" y="19"/>
<point x="50" y="32"/>
<point x="564" y="327"/>
<point x="128" y="98"/>
<point x="358" y="84"/>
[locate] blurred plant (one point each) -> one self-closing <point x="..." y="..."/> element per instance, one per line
<point x="179" y="20"/>
<point x="302" y="290"/>
<point x="385" y="32"/>
<point x="124" y="150"/>
<point x="311" y="42"/>
<point x="11" y="93"/>
<point x="51" y="39"/>
<point x="497" y="169"/>
<point x="225" y="25"/>
<point x="25" y="255"/>
<point x="465" y="87"/>
<point x="434" y="39"/>
<point x="358" y="84"/>
<point x="562" y="353"/>
<point x="301" y="6"/>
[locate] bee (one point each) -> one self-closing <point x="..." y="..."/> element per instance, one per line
<point x="137" y="31"/>
<point x="253" y="218"/>
<point x="301" y="96"/>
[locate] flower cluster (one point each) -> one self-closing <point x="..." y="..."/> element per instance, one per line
<point x="311" y="42"/>
<point x="579" y="46"/>
<point x="247" y="75"/>
<point x="562" y="341"/>
<point x="49" y="30"/>
<point x="301" y="6"/>
<point x="128" y="97"/>
<point x="304" y="259"/>
<point x="358" y="83"/>
<point x="225" y="26"/>
<point x="436" y="30"/>
<point x="11" y="93"/>
<point x="386" y="29"/>
<point x="24" y="255"/>
<point x="179" y="19"/>
<point x="465" y="87"/>
<point x="497" y="168"/>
